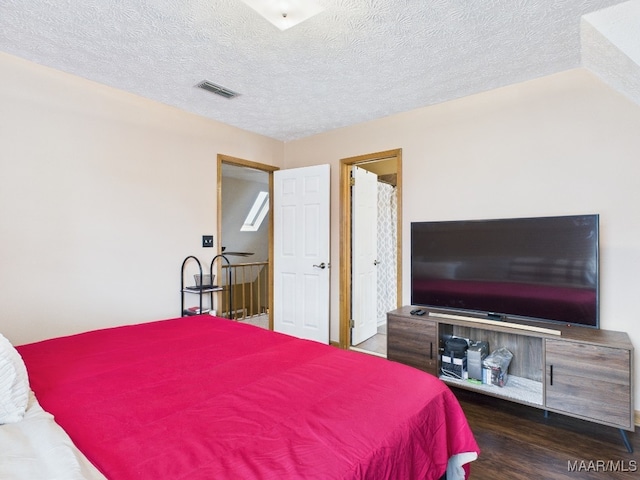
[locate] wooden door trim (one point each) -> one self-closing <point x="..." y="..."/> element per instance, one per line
<point x="346" y="165"/>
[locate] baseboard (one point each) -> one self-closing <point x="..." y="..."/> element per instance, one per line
<point x="369" y="352"/>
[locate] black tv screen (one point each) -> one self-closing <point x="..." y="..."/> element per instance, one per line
<point x="543" y="268"/>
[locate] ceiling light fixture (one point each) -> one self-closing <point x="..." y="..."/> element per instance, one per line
<point x="285" y="13"/>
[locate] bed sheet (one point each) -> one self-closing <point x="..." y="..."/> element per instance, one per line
<point x="204" y="397"/>
<point x="36" y="447"/>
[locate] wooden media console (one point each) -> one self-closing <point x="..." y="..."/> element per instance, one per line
<point x="580" y="372"/>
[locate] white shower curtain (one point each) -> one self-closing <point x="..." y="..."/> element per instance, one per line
<point x="387" y="270"/>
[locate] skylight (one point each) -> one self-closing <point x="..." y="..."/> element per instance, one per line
<point x="257" y="213"/>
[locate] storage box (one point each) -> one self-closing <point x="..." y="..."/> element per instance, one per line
<point x="495" y="367"/>
<point x="454" y="367"/>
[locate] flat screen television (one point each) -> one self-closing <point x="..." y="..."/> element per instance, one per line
<point x="543" y="269"/>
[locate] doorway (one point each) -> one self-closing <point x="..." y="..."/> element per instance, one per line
<point x="245" y="238"/>
<point x="387" y="166"/>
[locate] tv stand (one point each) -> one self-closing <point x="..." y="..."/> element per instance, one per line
<point x="575" y="371"/>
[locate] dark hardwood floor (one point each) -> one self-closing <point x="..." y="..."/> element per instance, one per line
<point x="518" y="442"/>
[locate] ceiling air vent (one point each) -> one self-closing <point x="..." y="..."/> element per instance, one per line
<point x="217" y="89"/>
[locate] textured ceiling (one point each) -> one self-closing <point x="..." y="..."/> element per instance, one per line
<point x="610" y="41"/>
<point x="357" y="60"/>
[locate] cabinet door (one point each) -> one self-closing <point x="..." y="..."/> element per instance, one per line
<point x="589" y="381"/>
<point x="413" y="341"/>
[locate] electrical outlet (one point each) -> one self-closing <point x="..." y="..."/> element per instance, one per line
<point x="207" y="241"/>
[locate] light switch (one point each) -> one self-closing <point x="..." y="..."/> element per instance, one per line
<point x="207" y="241"/>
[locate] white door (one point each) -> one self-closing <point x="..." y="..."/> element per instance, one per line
<point x="301" y="252"/>
<point x="364" y="247"/>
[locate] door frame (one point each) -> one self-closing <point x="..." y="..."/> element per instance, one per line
<point x="269" y="169"/>
<point x="345" y="234"/>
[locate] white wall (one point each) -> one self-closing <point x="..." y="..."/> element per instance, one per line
<point x="562" y="144"/>
<point x="102" y="196"/>
<point x="103" y="193"/>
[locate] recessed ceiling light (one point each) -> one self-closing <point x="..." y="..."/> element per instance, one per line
<point x="285" y="13"/>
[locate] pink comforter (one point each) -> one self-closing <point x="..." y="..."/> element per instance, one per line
<point x="207" y="398"/>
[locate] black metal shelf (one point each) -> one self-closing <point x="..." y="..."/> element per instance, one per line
<point x="203" y="290"/>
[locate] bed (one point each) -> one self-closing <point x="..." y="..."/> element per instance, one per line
<point x="208" y="398"/>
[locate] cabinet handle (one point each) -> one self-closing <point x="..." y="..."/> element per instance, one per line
<point x="550" y="374"/>
<point x="431" y="351"/>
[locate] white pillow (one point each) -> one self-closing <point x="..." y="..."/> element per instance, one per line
<point x="14" y="383"/>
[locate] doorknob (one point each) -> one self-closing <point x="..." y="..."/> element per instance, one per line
<point x="376" y="262"/>
<point x="322" y="266"/>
